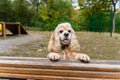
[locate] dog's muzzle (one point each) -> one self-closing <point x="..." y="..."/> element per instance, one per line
<point x="65" y="41"/>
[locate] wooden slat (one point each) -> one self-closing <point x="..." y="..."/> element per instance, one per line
<point x="42" y="68"/>
<point x="38" y="77"/>
<point x="3" y="29"/>
<point x="64" y="73"/>
<point x="19" y="29"/>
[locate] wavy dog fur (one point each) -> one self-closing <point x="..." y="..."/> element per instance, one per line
<point x="70" y="51"/>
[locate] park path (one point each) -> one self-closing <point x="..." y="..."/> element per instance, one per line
<point x="7" y="44"/>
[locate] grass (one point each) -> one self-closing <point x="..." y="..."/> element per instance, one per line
<point x="96" y="45"/>
<point x="100" y="45"/>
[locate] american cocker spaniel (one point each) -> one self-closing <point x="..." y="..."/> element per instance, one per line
<point x="64" y="44"/>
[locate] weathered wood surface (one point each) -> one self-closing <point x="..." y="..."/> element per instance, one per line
<point x="42" y="68"/>
<point x="15" y="28"/>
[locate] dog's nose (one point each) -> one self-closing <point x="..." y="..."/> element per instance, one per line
<point x="66" y="34"/>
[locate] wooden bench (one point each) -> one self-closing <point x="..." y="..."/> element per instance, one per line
<point x="43" y="69"/>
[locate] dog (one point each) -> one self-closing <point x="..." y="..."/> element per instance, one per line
<point x="64" y="44"/>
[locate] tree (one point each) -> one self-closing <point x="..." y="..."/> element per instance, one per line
<point x="36" y="4"/>
<point x="95" y="14"/>
<point x="53" y="12"/>
<point x="22" y="11"/>
<point x="114" y="2"/>
<point x="117" y="22"/>
<point x="5" y="10"/>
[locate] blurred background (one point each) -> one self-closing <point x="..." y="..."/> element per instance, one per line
<point x="44" y="15"/>
<point x="96" y="23"/>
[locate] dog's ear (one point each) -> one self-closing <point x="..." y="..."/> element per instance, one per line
<point x="74" y="44"/>
<point x="54" y="43"/>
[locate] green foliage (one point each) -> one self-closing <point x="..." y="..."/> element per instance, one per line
<point x="117" y="22"/>
<point x="93" y="15"/>
<point x="5" y="10"/>
<point x="53" y="12"/>
<point x="96" y="14"/>
<point x="22" y="11"/>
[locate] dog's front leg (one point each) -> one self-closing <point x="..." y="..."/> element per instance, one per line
<point x="82" y="57"/>
<point x="53" y="56"/>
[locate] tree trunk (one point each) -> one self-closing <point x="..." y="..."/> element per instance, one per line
<point x="113" y="21"/>
<point x="114" y="2"/>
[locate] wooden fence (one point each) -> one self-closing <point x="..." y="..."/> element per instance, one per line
<point x="43" y="69"/>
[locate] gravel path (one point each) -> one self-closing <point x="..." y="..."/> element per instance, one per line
<point x="6" y="45"/>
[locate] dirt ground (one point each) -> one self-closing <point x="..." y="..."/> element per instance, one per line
<point x="6" y="45"/>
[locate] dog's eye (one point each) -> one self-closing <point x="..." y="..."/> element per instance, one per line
<point x="69" y="31"/>
<point x="61" y="31"/>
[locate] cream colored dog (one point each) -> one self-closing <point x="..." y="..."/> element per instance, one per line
<point x="64" y="44"/>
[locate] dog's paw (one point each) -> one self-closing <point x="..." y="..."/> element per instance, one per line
<point x="82" y="57"/>
<point x="53" y="56"/>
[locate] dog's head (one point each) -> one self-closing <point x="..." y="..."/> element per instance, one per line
<point x="63" y="35"/>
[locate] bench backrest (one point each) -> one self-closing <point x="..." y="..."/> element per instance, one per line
<point x="42" y="68"/>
